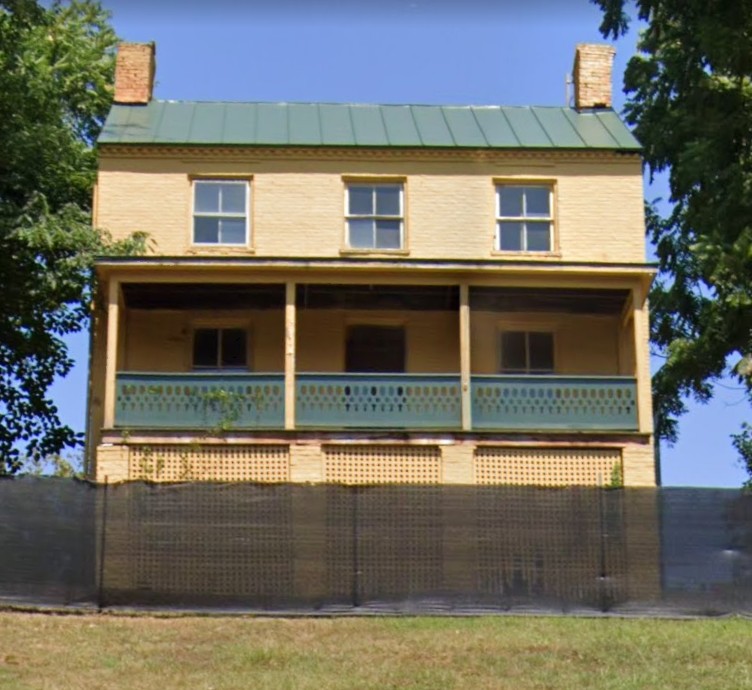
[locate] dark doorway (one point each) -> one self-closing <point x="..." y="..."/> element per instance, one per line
<point x="375" y="349"/>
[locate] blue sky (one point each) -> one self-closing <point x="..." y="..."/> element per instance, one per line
<point x="394" y="51"/>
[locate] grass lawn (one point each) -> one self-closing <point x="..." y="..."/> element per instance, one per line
<point x="81" y="652"/>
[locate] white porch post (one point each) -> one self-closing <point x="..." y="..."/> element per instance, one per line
<point x="290" y="338"/>
<point x="640" y="327"/>
<point x="111" y="363"/>
<point x="467" y="415"/>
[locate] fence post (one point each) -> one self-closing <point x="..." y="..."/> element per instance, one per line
<point x="356" y="554"/>
<point x="604" y="602"/>
<point x="103" y="546"/>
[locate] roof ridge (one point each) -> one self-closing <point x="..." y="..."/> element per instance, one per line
<point x="351" y="104"/>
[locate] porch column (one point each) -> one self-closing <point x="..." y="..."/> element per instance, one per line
<point x="467" y="414"/>
<point x="290" y="355"/>
<point x="640" y="327"/>
<point x="113" y="322"/>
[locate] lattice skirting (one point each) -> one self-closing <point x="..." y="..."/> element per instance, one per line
<point x="382" y="464"/>
<point x="244" y="463"/>
<point x="548" y="466"/>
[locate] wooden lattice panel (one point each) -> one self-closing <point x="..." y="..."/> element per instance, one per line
<point x="241" y="463"/>
<point x="548" y="467"/>
<point x="376" y="464"/>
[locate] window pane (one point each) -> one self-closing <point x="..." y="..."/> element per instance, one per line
<point x="510" y="236"/>
<point x="539" y="237"/>
<point x="537" y="202"/>
<point x="388" y="201"/>
<point x="233" y="347"/>
<point x="233" y="197"/>
<point x="205" y="229"/>
<point x="388" y="234"/>
<point x="513" y="352"/>
<point x="206" y="197"/>
<point x="541" y="352"/>
<point x="232" y="231"/>
<point x="205" y="347"/>
<point x="360" y="201"/>
<point x="510" y="201"/>
<point x="360" y="233"/>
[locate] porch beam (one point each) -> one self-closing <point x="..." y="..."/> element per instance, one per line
<point x="290" y="338"/>
<point x="640" y="331"/>
<point x="111" y="362"/>
<point x="467" y="419"/>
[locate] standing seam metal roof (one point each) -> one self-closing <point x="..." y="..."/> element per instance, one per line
<point x="348" y="125"/>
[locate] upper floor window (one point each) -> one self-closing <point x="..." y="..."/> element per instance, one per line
<point x="524" y="219"/>
<point x="220" y="212"/>
<point x="375" y="216"/>
<point x="526" y="352"/>
<point x="220" y="348"/>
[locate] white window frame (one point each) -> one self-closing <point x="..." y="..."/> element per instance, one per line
<point x="528" y="370"/>
<point x="524" y="218"/>
<point x="246" y="215"/>
<point x="219" y="328"/>
<point x="374" y="216"/>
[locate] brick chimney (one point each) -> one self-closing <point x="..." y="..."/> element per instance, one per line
<point x="134" y="73"/>
<point x="592" y="75"/>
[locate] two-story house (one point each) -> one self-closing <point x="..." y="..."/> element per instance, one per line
<point x="371" y="293"/>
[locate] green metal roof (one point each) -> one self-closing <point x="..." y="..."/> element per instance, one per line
<point x="329" y="124"/>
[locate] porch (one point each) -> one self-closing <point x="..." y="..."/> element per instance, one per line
<point x="318" y="356"/>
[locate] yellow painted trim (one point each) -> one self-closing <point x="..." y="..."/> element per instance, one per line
<point x="113" y="318"/>
<point x="642" y="360"/>
<point x="220" y="322"/>
<point x="532" y="181"/>
<point x="428" y="273"/>
<point x="250" y="244"/>
<point x="256" y="153"/>
<point x="404" y="250"/>
<point x="290" y="344"/>
<point x="465" y="357"/>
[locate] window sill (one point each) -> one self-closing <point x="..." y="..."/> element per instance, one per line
<point x="213" y="249"/>
<point x="374" y="252"/>
<point x="526" y="256"/>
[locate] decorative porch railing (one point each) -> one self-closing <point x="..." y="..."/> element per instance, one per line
<point x="554" y="402"/>
<point x="200" y="401"/>
<point x="403" y="401"/>
<point x="394" y="401"/>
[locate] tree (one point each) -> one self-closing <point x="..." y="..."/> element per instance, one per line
<point x="56" y="65"/>
<point x="689" y="94"/>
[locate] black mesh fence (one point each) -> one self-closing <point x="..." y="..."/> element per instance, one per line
<point x="389" y="549"/>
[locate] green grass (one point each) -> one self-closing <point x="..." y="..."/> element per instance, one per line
<point x="81" y="652"/>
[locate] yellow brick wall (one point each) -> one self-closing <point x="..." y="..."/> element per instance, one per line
<point x="583" y="345"/>
<point x="639" y="464"/>
<point x="297" y="206"/>
<point x="432" y="338"/>
<point x="588" y="345"/>
<point x="161" y="340"/>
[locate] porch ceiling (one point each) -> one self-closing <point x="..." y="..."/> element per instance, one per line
<point x="203" y="296"/>
<point x="372" y="297"/>
<point x="379" y="297"/>
<point x="571" y="301"/>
